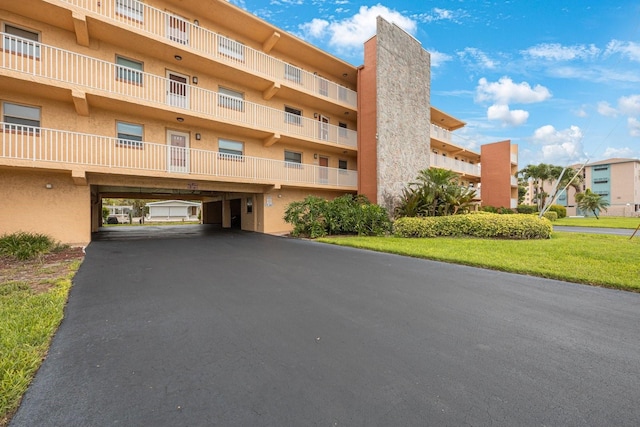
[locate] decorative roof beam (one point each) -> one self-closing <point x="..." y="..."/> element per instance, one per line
<point x="270" y="42"/>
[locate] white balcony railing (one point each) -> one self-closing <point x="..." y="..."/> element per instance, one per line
<point x="112" y="79"/>
<point x="514" y="181"/>
<point x="158" y="23"/>
<point x="514" y="158"/>
<point x="440" y="133"/>
<point x="41" y="145"/>
<point x="443" y="162"/>
<point x="514" y="204"/>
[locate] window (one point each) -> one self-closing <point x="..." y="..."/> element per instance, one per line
<point x="131" y="9"/>
<point x="292" y="159"/>
<point x="342" y="164"/>
<point x="230" y="149"/>
<point x="232" y="99"/>
<point x="601" y="168"/>
<point x="249" y="205"/>
<point x="292" y="116"/>
<point x="231" y="48"/>
<point x="21" y="118"/>
<point x="21" y="41"/>
<point x="129" y="70"/>
<point x="292" y="73"/>
<point x="129" y="134"/>
<point x="600" y="180"/>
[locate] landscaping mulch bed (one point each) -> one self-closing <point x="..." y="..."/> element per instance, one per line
<point x="41" y="272"/>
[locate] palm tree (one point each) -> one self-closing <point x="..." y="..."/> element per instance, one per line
<point x="436" y="192"/>
<point x="590" y="201"/>
<point x="539" y="174"/>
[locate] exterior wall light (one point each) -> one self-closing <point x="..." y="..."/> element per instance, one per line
<point x="178" y="57"/>
<point x="194" y="80"/>
<point x="198" y="136"/>
<point x="180" y="119"/>
<point x="196" y="22"/>
<point x="48" y="186"/>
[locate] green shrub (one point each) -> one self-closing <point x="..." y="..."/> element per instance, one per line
<point x="316" y="217"/>
<point x="550" y="215"/>
<point x="24" y="246"/>
<point x="527" y="209"/>
<point x="559" y="209"/>
<point x="482" y="224"/>
<point x="490" y="209"/>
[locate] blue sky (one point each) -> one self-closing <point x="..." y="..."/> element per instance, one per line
<point x="559" y="78"/>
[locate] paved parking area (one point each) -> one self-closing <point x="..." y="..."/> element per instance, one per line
<point x="244" y="329"/>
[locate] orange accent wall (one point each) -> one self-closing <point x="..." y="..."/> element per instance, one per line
<point x="367" y="123"/>
<point x="496" y="174"/>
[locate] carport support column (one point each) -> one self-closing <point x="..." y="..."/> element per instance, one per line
<point x="226" y="213"/>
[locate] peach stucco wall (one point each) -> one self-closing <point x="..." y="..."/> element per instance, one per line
<point x="62" y="212"/>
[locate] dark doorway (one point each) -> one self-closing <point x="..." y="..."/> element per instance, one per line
<point x="236" y="213"/>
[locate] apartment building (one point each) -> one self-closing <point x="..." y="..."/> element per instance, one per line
<point x="201" y="101"/>
<point x="499" y="174"/>
<point x="617" y="180"/>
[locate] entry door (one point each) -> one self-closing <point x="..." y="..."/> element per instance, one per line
<point x="178" y="90"/>
<point x="324" y="128"/>
<point x="178" y="156"/>
<point x="177" y="29"/>
<point x="323" y="171"/>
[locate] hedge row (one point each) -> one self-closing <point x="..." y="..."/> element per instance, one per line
<point x="481" y="224"/>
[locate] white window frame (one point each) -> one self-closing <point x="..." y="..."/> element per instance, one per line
<point x="229" y="98"/>
<point x="127" y="73"/>
<point x="25" y="118"/>
<point x="129" y="142"/>
<point x="295" y="163"/>
<point x="292" y="115"/>
<point x="227" y="150"/>
<point x="18" y="43"/>
<point x="231" y="48"/>
<point x="131" y="9"/>
<point x="293" y="73"/>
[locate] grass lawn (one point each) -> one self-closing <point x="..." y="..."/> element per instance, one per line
<point x="601" y="260"/>
<point x="33" y="294"/>
<point x="604" y="222"/>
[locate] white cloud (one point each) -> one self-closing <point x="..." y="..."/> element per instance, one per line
<point x="350" y="33"/>
<point x="506" y="116"/>
<point x="438" y="14"/>
<point x="315" y="28"/>
<point x="629" y="105"/>
<point x="557" y="52"/>
<point x="581" y="112"/>
<point x="634" y="126"/>
<point x="605" y="109"/>
<point x="439" y="58"/>
<point x="477" y="58"/>
<point x="630" y="50"/>
<point x="505" y="91"/>
<point x="560" y="147"/>
<point x="613" y="152"/>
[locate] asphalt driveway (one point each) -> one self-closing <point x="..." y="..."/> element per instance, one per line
<point x="243" y="329"/>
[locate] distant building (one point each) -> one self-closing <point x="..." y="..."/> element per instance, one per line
<point x="616" y="180"/>
<point x="174" y="210"/>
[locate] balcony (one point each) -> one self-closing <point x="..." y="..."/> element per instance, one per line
<point x="50" y="148"/>
<point x="514" y="158"/>
<point x="457" y="166"/>
<point x="440" y="133"/>
<point x="157" y="23"/>
<point x="114" y="81"/>
<point x="514" y="181"/>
